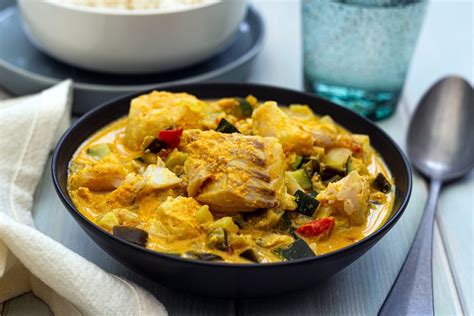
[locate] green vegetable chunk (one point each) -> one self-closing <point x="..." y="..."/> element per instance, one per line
<point x="381" y="183"/>
<point x="131" y="234"/>
<point x="306" y="204"/>
<point x="297" y="250"/>
<point x="329" y="173"/>
<point x="98" y="151"/>
<point x="226" y="128"/>
<point x="311" y="167"/>
<point x="301" y="176"/>
<point x="245" y="108"/>
<point x="217" y="239"/>
<point x="296" y="162"/>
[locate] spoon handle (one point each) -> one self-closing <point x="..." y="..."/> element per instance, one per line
<point x="412" y="292"/>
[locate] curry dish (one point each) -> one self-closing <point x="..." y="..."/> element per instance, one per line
<point x="233" y="180"/>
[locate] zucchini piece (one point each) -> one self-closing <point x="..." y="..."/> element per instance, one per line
<point x="285" y="222"/>
<point x="226" y="128"/>
<point x="297" y="250"/>
<point x="381" y="183"/>
<point x="131" y="234"/>
<point x="176" y="158"/>
<point x="205" y="256"/>
<point x="306" y="204"/>
<point x="156" y="146"/>
<point x="217" y="239"/>
<point x="98" y="151"/>
<point x="311" y="167"/>
<point x="252" y="255"/>
<point x="333" y="179"/>
<point x="140" y="160"/>
<point x="302" y="177"/>
<point x="335" y="162"/>
<point x="245" y="108"/>
<point x="297" y="161"/>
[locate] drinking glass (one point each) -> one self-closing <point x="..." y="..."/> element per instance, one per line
<point x="357" y="52"/>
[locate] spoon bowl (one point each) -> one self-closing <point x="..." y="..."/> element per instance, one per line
<point x="441" y="136"/>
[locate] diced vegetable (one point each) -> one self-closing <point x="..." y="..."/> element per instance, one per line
<point x="226" y="128"/>
<point x="306" y="203"/>
<point x="226" y="223"/>
<point x="336" y="158"/>
<point x="291" y="184"/>
<point x="297" y="250"/>
<point x="139" y="160"/>
<point x="245" y="107"/>
<point x="204" y="215"/>
<point x="107" y="221"/>
<point x="176" y="158"/>
<point x="381" y="183"/>
<point x="328" y="172"/>
<point x="297" y="161"/>
<point x="217" y="239"/>
<point x="205" y="256"/>
<point x="98" y="151"/>
<point x="131" y="234"/>
<point x="156" y="146"/>
<point x="322" y="226"/>
<point x="171" y="137"/>
<point x="301" y="176"/>
<point x="285" y="222"/>
<point x="311" y="167"/>
<point x="252" y="255"/>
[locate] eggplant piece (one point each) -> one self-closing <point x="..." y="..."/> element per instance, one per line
<point x="297" y="250"/>
<point x="381" y="183"/>
<point x="329" y="172"/>
<point x="245" y="108"/>
<point x="204" y="256"/>
<point x="156" y="146"/>
<point x="252" y="255"/>
<point x="306" y="204"/>
<point x="226" y="128"/>
<point x="217" y="239"/>
<point x="131" y="234"/>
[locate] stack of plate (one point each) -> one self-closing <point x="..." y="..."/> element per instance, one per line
<point x="24" y="69"/>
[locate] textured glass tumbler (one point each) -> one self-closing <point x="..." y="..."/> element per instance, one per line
<point x="357" y="52"/>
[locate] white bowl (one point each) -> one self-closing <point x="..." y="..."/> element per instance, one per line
<point x="131" y="41"/>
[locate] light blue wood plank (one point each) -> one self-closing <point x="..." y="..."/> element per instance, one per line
<point x="456" y="222"/>
<point x="445" y="294"/>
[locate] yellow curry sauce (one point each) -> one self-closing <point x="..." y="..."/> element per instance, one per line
<point x="270" y="182"/>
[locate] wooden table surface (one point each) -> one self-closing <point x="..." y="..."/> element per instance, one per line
<point x="445" y="47"/>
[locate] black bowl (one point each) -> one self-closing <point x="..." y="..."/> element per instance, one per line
<point x="224" y="279"/>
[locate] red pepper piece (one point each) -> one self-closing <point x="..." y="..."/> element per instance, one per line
<point x="316" y="228"/>
<point x="171" y="137"/>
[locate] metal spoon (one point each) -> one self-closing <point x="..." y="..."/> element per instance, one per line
<point x="441" y="146"/>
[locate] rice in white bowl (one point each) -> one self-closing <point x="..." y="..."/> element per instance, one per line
<point x="137" y="4"/>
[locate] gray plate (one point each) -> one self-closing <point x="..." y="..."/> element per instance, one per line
<point x="24" y="69"/>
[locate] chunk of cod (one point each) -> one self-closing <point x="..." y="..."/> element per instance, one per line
<point x="235" y="172"/>
<point x="151" y="113"/>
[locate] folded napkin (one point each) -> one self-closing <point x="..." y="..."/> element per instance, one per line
<point x="29" y="260"/>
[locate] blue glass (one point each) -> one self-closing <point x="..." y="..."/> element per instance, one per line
<point x="357" y="52"/>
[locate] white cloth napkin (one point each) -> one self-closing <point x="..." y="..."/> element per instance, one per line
<point x="29" y="260"/>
